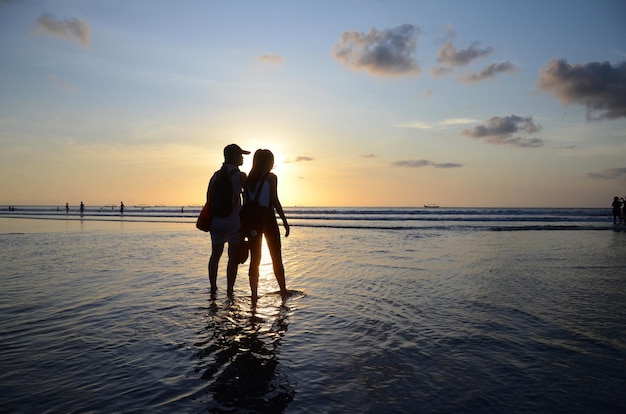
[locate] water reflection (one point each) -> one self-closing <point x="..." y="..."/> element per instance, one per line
<point x="238" y="354"/>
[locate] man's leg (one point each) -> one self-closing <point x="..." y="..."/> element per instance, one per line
<point x="233" y="264"/>
<point x="214" y="261"/>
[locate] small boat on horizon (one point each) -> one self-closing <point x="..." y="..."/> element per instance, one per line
<point x="431" y="205"/>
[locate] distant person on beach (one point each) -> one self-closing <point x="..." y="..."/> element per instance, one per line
<point x="227" y="229"/>
<point x="122" y="207"/>
<point x="262" y="179"/>
<point x="67" y="208"/>
<point x="82" y="208"/>
<point x="617" y="210"/>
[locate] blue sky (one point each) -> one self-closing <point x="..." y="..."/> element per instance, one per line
<point x="364" y="103"/>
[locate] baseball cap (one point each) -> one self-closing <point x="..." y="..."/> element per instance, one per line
<point x="234" y="150"/>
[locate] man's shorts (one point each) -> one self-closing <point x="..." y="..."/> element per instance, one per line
<point x="226" y="229"/>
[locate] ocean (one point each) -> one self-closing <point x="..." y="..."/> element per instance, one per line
<point x="392" y="310"/>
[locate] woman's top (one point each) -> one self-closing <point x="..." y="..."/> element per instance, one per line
<point x="264" y="197"/>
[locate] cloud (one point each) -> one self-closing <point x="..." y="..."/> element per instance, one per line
<point x="598" y="86"/>
<point x="368" y="155"/>
<point x="69" y="29"/>
<point x="449" y="31"/>
<point x="566" y="147"/>
<point x="430" y="125"/>
<point x="427" y="93"/>
<point x="387" y="53"/>
<point x="490" y="72"/>
<point x="54" y="79"/>
<point x="439" y="71"/>
<point x="298" y="159"/>
<point x="457" y="121"/>
<point x="609" y="174"/>
<point x="270" y="58"/>
<point x="449" y="55"/>
<point x="500" y="131"/>
<point x="425" y="163"/>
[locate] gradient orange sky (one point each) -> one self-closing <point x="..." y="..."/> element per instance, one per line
<point x="364" y="103"/>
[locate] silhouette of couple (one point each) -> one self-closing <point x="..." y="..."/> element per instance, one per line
<point x="618" y="214"/>
<point x="263" y="184"/>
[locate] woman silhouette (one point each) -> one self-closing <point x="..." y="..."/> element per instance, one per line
<point x="267" y="197"/>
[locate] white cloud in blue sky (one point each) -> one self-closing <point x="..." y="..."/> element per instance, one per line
<point x="70" y="28"/>
<point x="599" y="86"/>
<point x="388" y="52"/>
<point x="505" y="130"/>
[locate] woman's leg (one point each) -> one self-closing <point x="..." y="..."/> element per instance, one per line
<point x="272" y="236"/>
<point x="255" y="262"/>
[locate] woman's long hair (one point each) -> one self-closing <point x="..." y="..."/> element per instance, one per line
<point x="262" y="163"/>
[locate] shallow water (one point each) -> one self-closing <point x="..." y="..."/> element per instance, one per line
<point x="116" y="317"/>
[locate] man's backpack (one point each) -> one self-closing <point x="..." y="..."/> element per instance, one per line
<point x="221" y="193"/>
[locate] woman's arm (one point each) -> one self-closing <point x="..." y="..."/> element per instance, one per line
<point x="276" y="202"/>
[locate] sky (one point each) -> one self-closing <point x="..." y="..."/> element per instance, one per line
<point x="485" y="103"/>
